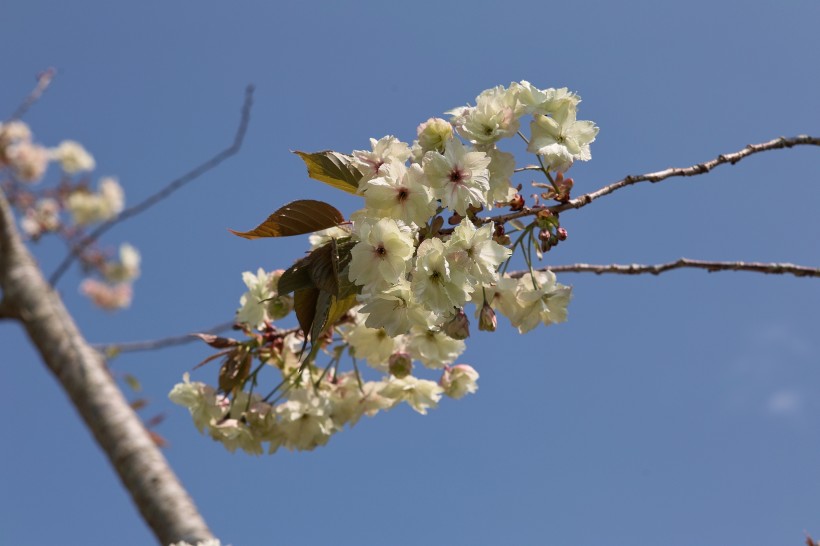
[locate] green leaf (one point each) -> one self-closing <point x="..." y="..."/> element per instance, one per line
<point x="323" y="304"/>
<point x="297" y="218"/>
<point x="329" y="309"/>
<point x="332" y="168"/>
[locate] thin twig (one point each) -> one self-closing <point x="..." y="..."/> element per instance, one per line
<point x="700" y="168"/>
<point x="43" y="81"/>
<point x="172" y="186"/>
<point x="683" y="263"/>
<point x="154" y="344"/>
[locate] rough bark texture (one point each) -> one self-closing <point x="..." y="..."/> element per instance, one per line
<point x="163" y="502"/>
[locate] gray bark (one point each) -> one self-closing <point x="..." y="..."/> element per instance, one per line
<point x="164" y="504"/>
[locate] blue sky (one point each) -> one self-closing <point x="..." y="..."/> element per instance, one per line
<point x="677" y="409"/>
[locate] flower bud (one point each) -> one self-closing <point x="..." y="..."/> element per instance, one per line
<point x="487" y="321"/>
<point x="561" y="233"/>
<point x="400" y="365"/>
<point x="564" y="188"/>
<point x="517" y="202"/>
<point x="546" y="219"/>
<point x="458" y="327"/>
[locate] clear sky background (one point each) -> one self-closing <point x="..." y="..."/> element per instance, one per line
<point x="678" y="410"/>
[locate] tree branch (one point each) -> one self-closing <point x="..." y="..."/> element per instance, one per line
<point x="164" y="504"/>
<point x="43" y="81"/>
<point x="700" y="168"/>
<point x="683" y="263"/>
<point x="154" y="344"/>
<point x="6" y="310"/>
<point x="170" y="188"/>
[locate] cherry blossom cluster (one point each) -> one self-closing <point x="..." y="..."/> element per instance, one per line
<point x="413" y="278"/>
<point x="24" y="163"/>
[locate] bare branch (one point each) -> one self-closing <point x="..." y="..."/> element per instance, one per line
<point x="154" y="344"/>
<point x="43" y="81"/>
<point x="683" y="263"/>
<point x="161" y="499"/>
<point x="172" y="186"/>
<point x="700" y="168"/>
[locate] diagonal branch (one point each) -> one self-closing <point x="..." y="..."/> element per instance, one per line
<point x="154" y="344"/>
<point x="172" y="186"/>
<point x="683" y="263"/>
<point x="700" y="168"/>
<point x="7" y="311"/>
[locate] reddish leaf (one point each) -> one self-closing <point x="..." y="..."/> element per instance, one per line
<point x="297" y="218"/>
<point x="233" y="372"/>
<point x="217" y="342"/>
<point x="158" y="440"/>
<point x="304" y="304"/>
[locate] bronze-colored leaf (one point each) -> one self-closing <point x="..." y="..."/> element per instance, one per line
<point x="304" y="304"/>
<point x="214" y="357"/>
<point x="155" y="420"/>
<point x="217" y="342"/>
<point x="332" y="168"/>
<point x="234" y="371"/>
<point x="296" y="277"/>
<point x="324" y="268"/>
<point x="297" y="218"/>
<point x="158" y="439"/>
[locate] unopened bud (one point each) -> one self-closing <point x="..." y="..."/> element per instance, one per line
<point x="546" y="241"/>
<point x="564" y="189"/>
<point x="473" y="210"/>
<point x="487" y="321"/>
<point x="458" y="327"/>
<point x="546" y="219"/>
<point x="544" y="235"/>
<point x="517" y="202"/>
<point x="400" y="365"/>
<point x="434" y="133"/>
<point x="561" y="233"/>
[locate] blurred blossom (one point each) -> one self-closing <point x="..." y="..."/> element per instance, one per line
<point x="73" y="157"/>
<point x="105" y="296"/>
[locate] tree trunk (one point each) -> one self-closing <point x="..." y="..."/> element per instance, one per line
<point x="82" y="372"/>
